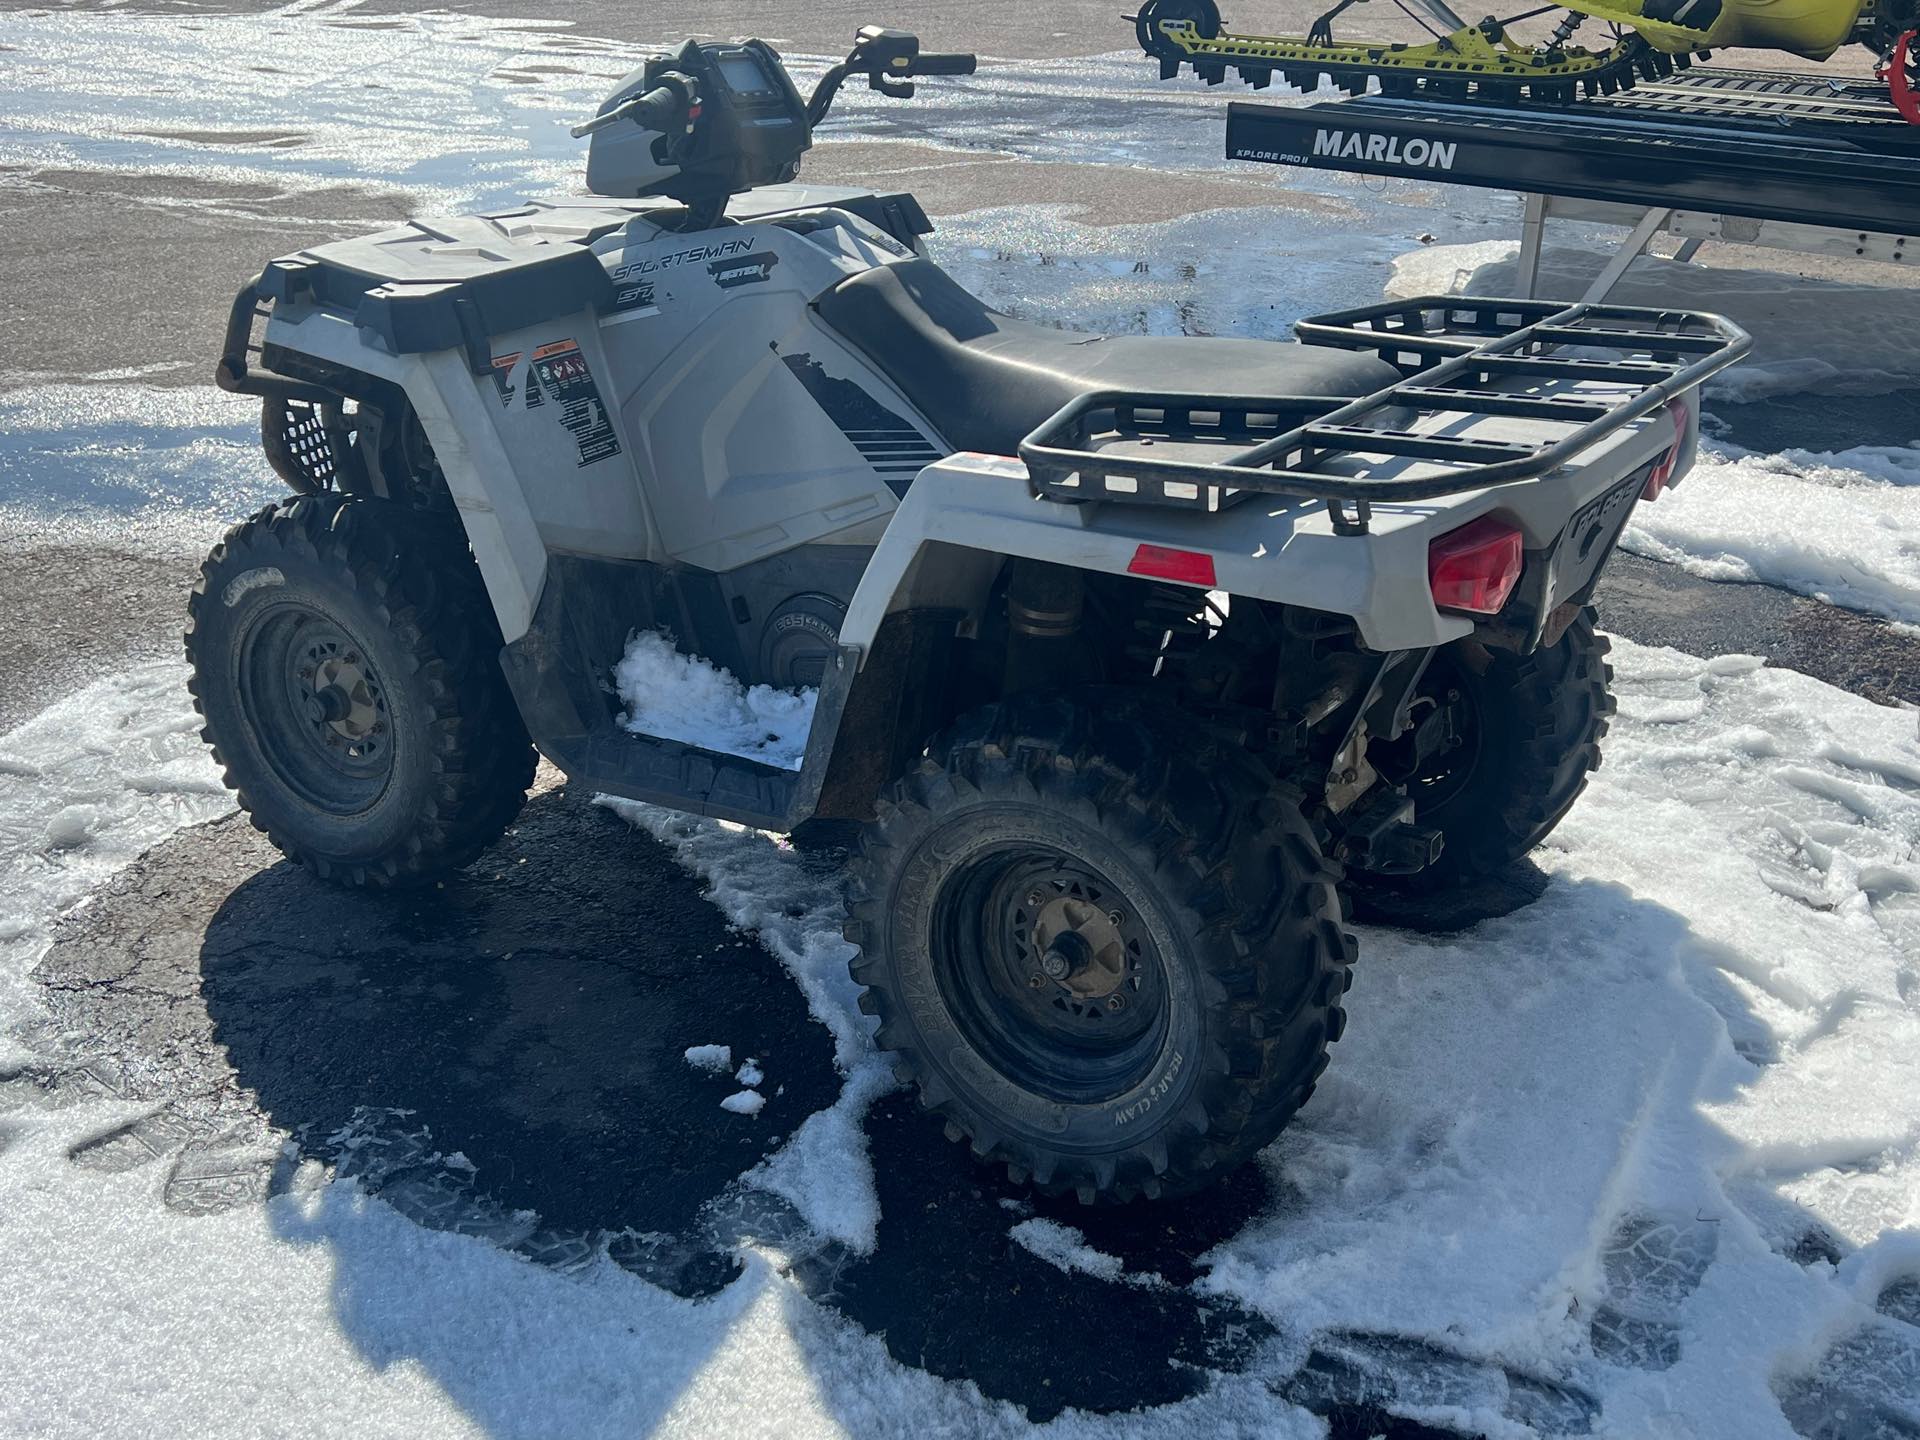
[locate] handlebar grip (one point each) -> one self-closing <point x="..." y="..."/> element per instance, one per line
<point x="948" y="64"/>
<point x="652" y="111"/>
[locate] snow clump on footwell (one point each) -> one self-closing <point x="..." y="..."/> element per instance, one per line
<point x="686" y="698"/>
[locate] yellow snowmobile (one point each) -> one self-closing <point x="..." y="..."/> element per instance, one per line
<point x="1642" y="40"/>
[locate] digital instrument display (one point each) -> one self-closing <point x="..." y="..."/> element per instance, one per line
<point x="743" y="76"/>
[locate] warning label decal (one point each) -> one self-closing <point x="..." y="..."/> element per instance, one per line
<point x="560" y="373"/>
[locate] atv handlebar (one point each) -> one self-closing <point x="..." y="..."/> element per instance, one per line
<point x="956" y="62"/>
<point x="656" y="110"/>
<point x="891" y="60"/>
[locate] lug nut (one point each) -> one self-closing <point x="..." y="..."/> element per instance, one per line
<point x="1116" y="919"/>
<point x="1116" y="1002"/>
<point x="1056" y="965"/>
<point x="1034" y="897"/>
<point x="1034" y="982"/>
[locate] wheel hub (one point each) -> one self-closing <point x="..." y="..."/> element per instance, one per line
<point x="343" y="701"/>
<point x="1080" y="947"/>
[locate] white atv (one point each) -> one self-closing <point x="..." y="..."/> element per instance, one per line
<point x="1128" y="651"/>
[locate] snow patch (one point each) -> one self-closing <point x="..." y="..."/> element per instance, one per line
<point x="744" y="1102"/>
<point x="750" y="1073"/>
<point x="1679" y="1042"/>
<point x="718" y="1059"/>
<point x="1065" y="1248"/>
<point x="683" y="697"/>
<point x="85" y="787"/>
<point x="1843" y="528"/>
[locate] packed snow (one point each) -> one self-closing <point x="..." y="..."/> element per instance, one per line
<point x="744" y="1102"/>
<point x="676" y="696"/>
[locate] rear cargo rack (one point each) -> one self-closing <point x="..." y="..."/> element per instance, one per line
<point x="1578" y="373"/>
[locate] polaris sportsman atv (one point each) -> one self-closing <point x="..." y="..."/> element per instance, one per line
<point x="1645" y="40"/>
<point x="1129" y="651"/>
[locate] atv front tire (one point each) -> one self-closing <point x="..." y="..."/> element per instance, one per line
<point x="345" y="661"/>
<point x="1528" y="731"/>
<point x="1102" y="945"/>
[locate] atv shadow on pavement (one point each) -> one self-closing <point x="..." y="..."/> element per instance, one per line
<point x="503" y="1057"/>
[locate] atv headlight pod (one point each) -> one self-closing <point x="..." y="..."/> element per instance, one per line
<point x="1475" y="567"/>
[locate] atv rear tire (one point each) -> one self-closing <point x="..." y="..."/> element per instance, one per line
<point x="345" y="661"/>
<point x="1529" y="730"/>
<point x="1102" y="945"/>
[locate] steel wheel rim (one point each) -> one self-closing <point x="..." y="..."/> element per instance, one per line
<point x="1050" y="973"/>
<point x="317" y="707"/>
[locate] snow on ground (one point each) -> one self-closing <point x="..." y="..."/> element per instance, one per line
<point x="466" y="111"/>
<point x="1066" y="1249"/>
<point x="1844" y="528"/>
<point x="85" y="787"/>
<point x="1228" y="272"/>
<point x="682" y="697"/>
<point x="1579" y="1142"/>
<point x="324" y="1307"/>
<point x="458" y="109"/>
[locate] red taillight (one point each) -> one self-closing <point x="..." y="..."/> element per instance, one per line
<point x="1475" y="567"/>
<point x="1661" y="475"/>
<point x="1188" y="567"/>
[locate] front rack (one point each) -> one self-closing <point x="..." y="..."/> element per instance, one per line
<point x="1460" y="360"/>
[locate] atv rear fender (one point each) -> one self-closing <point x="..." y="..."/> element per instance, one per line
<point x="967" y="514"/>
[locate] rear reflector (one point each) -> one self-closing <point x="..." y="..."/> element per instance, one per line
<point x="1475" y="567"/>
<point x="1661" y="475"/>
<point x="1188" y="567"/>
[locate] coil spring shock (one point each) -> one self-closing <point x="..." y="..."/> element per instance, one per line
<point x="1562" y="32"/>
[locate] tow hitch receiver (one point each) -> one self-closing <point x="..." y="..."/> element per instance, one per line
<point x="1380" y="835"/>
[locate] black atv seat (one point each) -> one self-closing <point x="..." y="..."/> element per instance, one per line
<point x="987" y="381"/>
